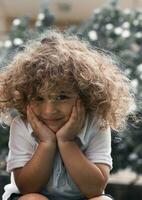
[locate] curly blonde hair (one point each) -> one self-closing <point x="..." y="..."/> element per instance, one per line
<point x="54" y="56"/>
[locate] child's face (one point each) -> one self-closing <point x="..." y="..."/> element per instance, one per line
<point x="55" y="107"/>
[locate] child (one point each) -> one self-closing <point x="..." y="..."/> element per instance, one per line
<point x="67" y="96"/>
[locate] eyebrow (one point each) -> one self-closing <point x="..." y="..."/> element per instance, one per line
<point x="66" y="92"/>
<point x="63" y="91"/>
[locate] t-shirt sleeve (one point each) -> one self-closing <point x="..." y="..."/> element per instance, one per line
<point x="99" y="148"/>
<point x="21" y="146"/>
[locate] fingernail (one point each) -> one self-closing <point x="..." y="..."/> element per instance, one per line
<point x="79" y="101"/>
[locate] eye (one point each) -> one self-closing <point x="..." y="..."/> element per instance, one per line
<point x="38" y="98"/>
<point x="62" y="97"/>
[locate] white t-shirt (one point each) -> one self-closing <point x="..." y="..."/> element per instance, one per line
<point x="95" y="144"/>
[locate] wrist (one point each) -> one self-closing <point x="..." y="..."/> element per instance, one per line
<point x="64" y="139"/>
<point x="61" y="141"/>
<point x="62" y="144"/>
<point x="48" y="144"/>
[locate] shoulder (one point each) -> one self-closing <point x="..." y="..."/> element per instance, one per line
<point x="96" y="130"/>
<point x="97" y="124"/>
<point x="92" y="130"/>
<point x="20" y="128"/>
<point x="100" y="133"/>
<point x="18" y="120"/>
<point x="99" y="146"/>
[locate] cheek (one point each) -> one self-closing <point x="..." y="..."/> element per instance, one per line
<point x="35" y="108"/>
<point x="67" y="109"/>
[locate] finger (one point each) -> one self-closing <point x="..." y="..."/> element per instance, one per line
<point x="35" y="123"/>
<point x="73" y="116"/>
<point x="80" y="113"/>
<point x="80" y="109"/>
<point x="30" y="114"/>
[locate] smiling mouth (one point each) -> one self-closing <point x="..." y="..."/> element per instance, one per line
<point x="50" y="120"/>
<point x="53" y="120"/>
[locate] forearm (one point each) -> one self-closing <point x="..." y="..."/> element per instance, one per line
<point x="87" y="176"/>
<point x="35" y="174"/>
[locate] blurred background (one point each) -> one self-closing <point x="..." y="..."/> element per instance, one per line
<point x="113" y="25"/>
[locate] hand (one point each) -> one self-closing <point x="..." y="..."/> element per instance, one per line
<point x="41" y="131"/>
<point x="72" y="127"/>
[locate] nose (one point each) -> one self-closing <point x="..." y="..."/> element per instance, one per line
<point x="49" y="108"/>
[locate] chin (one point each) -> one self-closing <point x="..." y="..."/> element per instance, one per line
<point x="54" y="128"/>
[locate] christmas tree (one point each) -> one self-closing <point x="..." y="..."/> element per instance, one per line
<point x="120" y="31"/>
<point x="19" y="34"/>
